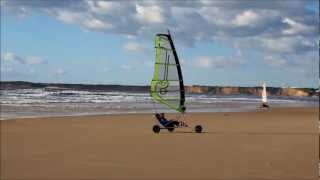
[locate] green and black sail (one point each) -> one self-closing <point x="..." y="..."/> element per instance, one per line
<point x="167" y="84"/>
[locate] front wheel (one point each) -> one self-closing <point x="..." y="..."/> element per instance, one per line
<point x="198" y="129"/>
<point x="156" y="129"/>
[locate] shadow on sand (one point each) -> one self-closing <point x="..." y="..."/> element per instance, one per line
<point x="242" y="133"/>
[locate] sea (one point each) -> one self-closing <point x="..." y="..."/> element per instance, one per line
<point x="40" y="102"/>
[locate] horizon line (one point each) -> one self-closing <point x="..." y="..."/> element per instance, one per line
<point x="149" y="85"/>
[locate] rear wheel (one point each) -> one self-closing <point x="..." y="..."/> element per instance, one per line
<point x="156" y="129"/>
<point x="170" y="129"/>
<point x="198" y="129"/>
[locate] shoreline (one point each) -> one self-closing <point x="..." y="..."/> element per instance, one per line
<point x="8" y="109"/>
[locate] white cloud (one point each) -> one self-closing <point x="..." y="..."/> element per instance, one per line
<point x="294" y="45"/>
<point x="22" y="13"/>
<point x="103" y="7"/>
<point x="191" y="21"/>
<point x="278" y="45"/>
<point x="133" y="47"/>
<point x="295" y="27"/>
<point x="68" y="17"/>
<point x="149" y="14"/>
<point x="130" y="36"/>
<point x="216" y="16"/>
<point x="100" y="7"/>
<point x="273" y="61"/>
<point x="303" y="67"/>
<point x="2" y="3"/>
<point x="11" y="57"/>
<point x="8" y="56"/>
<point x="276" y="28"/>
<point x="246" y="18"/>
<point x="218" y="62"/>
<point x="93" y="23"/>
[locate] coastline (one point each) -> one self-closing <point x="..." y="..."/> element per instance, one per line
<point x="9" y="112"/>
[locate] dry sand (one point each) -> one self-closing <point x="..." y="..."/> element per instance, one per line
<point x="277" y="144"/>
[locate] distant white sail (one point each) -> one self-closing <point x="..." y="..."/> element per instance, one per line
<point x="264" y="93"/>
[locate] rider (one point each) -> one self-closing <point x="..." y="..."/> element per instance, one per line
<point x="264" y="105"/>
<point x="166" y="123"/>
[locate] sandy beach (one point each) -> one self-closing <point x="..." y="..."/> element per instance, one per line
<point x="282" y="143"/>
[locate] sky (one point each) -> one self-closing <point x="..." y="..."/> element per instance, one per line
<point x="219" y="43"/>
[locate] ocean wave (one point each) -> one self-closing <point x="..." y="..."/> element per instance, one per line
<point x="42" y="96"/>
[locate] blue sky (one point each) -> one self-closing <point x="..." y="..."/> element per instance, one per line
<point x="227" y="43"/>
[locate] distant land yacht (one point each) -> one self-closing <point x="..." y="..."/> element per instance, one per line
<point x="264" y="96"/>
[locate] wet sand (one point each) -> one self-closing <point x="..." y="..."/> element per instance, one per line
<point x="282" y="143"/>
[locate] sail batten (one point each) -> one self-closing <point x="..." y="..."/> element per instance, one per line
<point x="167" y="84"/>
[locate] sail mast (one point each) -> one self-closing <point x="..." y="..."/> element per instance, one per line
<point x="182" y="91"/>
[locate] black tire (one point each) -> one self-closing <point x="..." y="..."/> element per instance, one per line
<point x="198" y="129"/>
<point x="170" y="129"/>
<point x="156" y="129"/>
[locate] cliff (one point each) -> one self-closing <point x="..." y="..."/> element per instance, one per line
<point x="218" y="90"/>
<point x="215" y="90"/>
